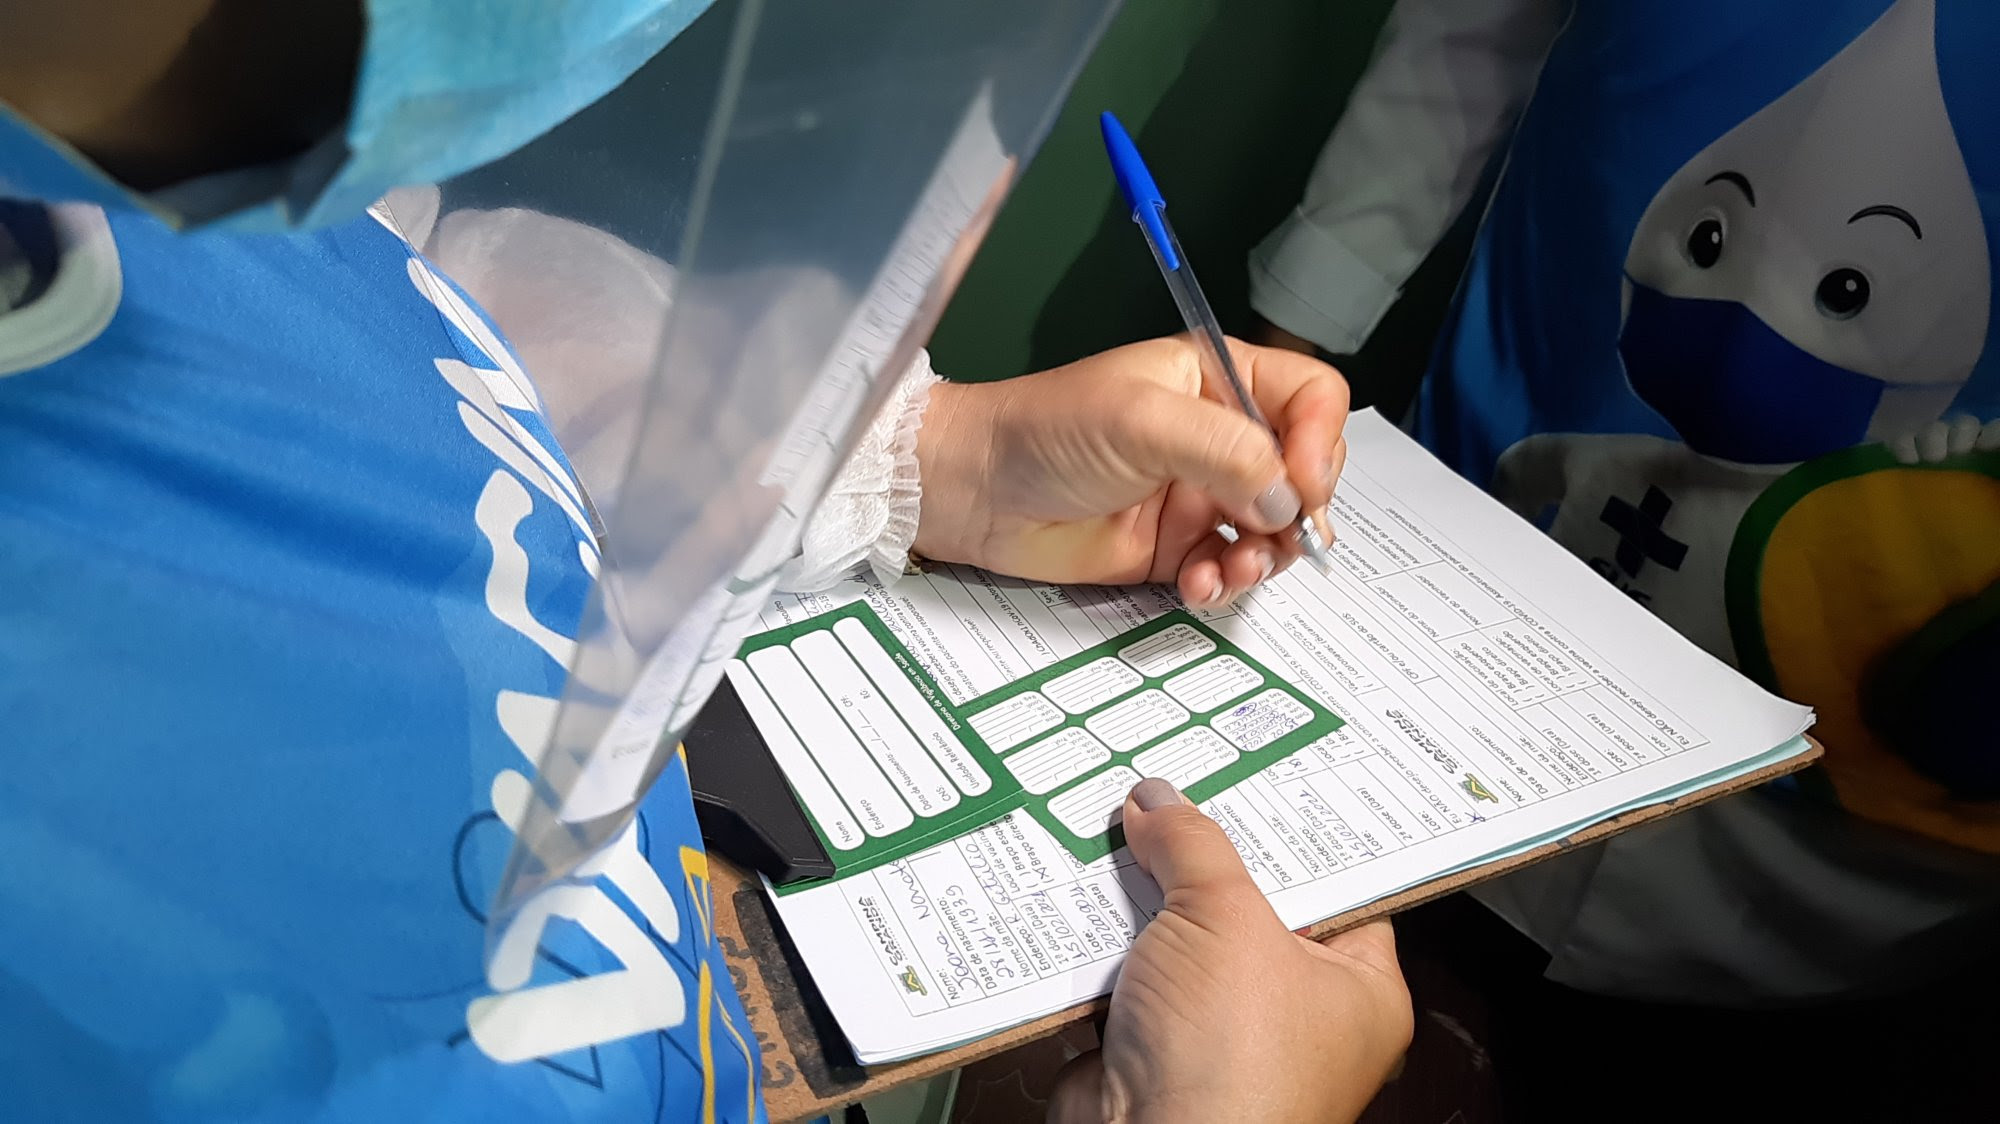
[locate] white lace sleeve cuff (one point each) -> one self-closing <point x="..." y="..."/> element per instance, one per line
<point x="870" y="510"/>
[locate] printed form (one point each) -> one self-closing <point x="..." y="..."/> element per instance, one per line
<point x="1496" y="693"/>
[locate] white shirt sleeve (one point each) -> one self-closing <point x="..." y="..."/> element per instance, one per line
<point x="1447" y="82"/>
<point x="870" y="509"/>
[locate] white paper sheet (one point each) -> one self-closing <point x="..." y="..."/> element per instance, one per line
<point x="1497" y="694"/>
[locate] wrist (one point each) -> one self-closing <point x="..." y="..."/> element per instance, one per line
<point x="954" y="462"/>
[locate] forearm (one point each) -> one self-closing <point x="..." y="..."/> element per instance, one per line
<point x="1442" y="93"/>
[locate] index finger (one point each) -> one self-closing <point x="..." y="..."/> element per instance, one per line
<point x="1307" y="401"/>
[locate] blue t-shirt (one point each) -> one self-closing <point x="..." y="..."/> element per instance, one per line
<point x="1725" y="334"/>
<point x="291" y="568"/>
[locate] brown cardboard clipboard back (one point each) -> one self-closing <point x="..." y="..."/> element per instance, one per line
<point x="809" y="1072"/>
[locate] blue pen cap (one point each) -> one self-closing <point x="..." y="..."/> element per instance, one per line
<point x="1136" y="184"/>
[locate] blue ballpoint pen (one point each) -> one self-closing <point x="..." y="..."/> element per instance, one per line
<point x="1218" y="371"/>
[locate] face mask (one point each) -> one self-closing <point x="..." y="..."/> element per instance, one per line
<point x="444" y="86"/>
<point x="1735" y="389"/>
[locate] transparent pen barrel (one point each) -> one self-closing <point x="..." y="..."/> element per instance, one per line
<point x="1218" y="370"/>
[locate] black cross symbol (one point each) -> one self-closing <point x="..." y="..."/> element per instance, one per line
<point x="1640" y="536"/>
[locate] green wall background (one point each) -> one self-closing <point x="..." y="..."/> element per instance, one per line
<point x="1230" y="103"/>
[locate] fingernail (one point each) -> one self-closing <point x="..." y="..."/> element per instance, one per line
<point x="1154" y="793"/>
<point x="1266" y="563"/>
<point x="1326" y="474"/>
<point x="1279" y="505"/>
<point x="1213" y="594"/>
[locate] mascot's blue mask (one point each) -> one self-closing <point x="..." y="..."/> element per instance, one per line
<point x="1735" y="389"/>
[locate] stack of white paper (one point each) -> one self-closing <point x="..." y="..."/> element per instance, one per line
<point x="1497" y="694"/>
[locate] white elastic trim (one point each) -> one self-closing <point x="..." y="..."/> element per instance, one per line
<point x="870" y="511"/>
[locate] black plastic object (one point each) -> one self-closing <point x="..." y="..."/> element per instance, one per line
<point x="747" y="812"/>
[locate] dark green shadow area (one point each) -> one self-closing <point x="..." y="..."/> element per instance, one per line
<point x="1230" y="104"/>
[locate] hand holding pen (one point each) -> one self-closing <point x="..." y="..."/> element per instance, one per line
<point x="1220" y="378"/>
<point x="1160" y="461"/>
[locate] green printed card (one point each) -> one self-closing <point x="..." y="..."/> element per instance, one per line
<point x="886" y="766"/>
<point x="1171" y="698"/>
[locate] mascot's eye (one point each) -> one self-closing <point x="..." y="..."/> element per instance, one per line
<point x="1704" y="244"/>
<point x="1842" y="294"/>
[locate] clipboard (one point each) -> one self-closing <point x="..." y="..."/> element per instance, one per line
<point x="809" y="1072"/>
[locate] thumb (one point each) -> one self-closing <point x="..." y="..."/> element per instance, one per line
<point x="1185" y="851"/>
<point x="1079" y="1093"/>
<point x="1372" y="943"/>
<point x="1178" y="438"/>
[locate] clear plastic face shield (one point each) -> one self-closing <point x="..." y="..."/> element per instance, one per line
<point x="713" y="278"/>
